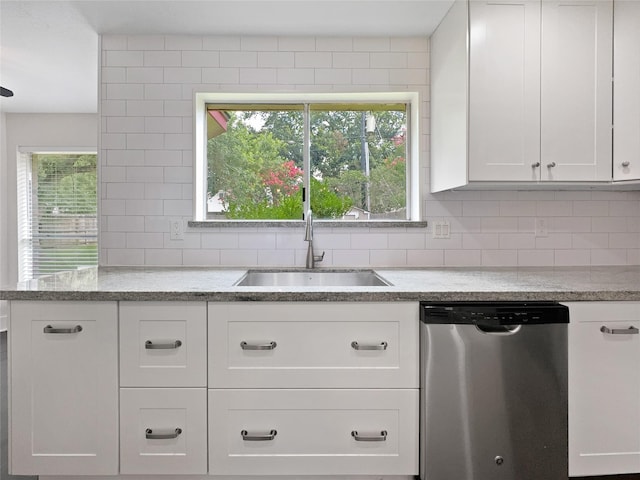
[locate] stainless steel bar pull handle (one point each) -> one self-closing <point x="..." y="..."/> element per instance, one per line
<point x="148" y="433"/>
<point x="149" y="345"/>
<point x="50" y="329"/>
<point x="358" y="437"/>
<point x="264" y="346"/>
<point x="258" y="437"/>
<point x="377" y="346"/>
<point x="620" y="331"/>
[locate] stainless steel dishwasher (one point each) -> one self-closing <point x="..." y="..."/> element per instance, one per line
<point x="493" y="391"/>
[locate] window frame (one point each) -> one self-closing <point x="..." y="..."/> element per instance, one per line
<point x="25" y="233"/>
<point x="201" y="99"/>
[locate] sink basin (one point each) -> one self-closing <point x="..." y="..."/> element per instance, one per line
<point x="307" y="278"/>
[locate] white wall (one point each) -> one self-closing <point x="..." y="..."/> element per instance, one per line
<point x="39" y="131"/>
<point x="4" y="267"/>
<point x="147" y="89"/>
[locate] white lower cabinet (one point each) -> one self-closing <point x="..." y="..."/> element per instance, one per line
<point x="313" y="432"/>
<point x="63" y="382"/>
<point x="163" y="431"/>
<point x="604" y="388"/>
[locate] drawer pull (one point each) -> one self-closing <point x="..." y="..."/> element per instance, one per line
<point x="162" y="436"/>
<point x="149" y="345"/>
<point x="50" y="329"/>
<point x="619" y="331"/>
<point x="264" y="346"/>
<point x="358" y="437"/>
<point x="378" y="346"/>
<point x="246" y="436"/>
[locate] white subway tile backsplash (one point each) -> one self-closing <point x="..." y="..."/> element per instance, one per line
<point x="371" y="44"/>
<point x="201" y="257"/>
<point x="178" y="175"/>
<point x="145" y="42"/>
<point x="145" y="75"/>
<point x="124" y="91"/>
<point x="143" y="207"/>
<point x="183" y="42"/>
<point x="463" y="258"/>
<point x="333" y="76"/>
<point x="221" y="43"/>
<point x="145" y="108"/>
<point x="259" y="43"/>
<point x="238" y="258"/>
<point x="499" y="258"/>
<point x="125" y="256"/>
<point x="276" y="258"/>
<point x="389" y="60"/>
<point x="296" y="44"/>
<point x="162" y="59"/>
<point x="334" y="44"/>
<point x="239" y="59"/>
<point x="571" y="258"/>
<point x="162" y="257"/>
<point x="146" y="175"/>
<point x="144" y="240"/>
<point x="295" y="76"/>
<point x="182" y="75"/>
<point x="313" y="59"/>
<point x="123" y="58"/>
<point x="275" y="60"/>
<point x="178" y="208"/>
<point x="264" y="76"/>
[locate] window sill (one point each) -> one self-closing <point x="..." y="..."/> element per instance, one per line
<point x="300" y="223"/>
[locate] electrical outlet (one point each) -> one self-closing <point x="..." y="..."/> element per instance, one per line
<point x="541" y="227"/>
<point x="176" y="229"/>
<point x="441" y="230"/>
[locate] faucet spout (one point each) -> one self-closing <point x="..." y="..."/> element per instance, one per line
<point x="308" y="237"/>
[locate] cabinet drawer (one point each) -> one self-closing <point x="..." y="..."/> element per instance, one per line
<point x="305" y="345"/>
<point x="313" y="432"/>
<point x="604" y="388"/>
<point x="163" y="344"/>
<point x="163" y="431"/>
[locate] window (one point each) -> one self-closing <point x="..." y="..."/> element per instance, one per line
<point x="57" y="212"/>
<point x="345" y="158"/>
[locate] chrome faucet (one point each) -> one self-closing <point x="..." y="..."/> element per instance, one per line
<point x="308" y="237"/>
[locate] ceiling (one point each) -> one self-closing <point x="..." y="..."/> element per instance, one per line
<point x="49" y="49"/>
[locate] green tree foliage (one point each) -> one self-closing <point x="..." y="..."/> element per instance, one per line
<point x="67" y="184"/>
<point x="257" y="163"/>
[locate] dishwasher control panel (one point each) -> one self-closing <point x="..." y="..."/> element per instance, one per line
<point x="495" y="313"/>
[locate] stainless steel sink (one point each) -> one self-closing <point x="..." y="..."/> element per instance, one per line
<point x="312" y="278"/>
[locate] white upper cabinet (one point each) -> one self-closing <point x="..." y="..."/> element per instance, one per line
<point x="576" y="90"/>
<point x="626" y="101"/>
<point x="536" y="106"/>
<point x="504" y="90"/>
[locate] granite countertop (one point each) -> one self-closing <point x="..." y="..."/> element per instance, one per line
<point x="430" y="284"/>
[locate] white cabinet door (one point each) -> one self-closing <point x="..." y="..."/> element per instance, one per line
<point x="313" y="432"/>
<point x="163" y="344"/>
<point x="604" y="388"/>
<point x="576" y="97"/>
<point x="626" y="111"/>
<point x="504" y="90"/>
<point x="163" y="431"/>
<point x="63" y="388"/>
<point x="313" y="345"/>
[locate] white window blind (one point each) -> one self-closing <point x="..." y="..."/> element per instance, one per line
<point x="57" y="212"/>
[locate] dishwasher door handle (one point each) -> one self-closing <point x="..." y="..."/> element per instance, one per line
<point x="498" y="329"/>
<point x="619" y="331"/>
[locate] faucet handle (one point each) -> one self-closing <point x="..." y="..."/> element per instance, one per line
<point x="318" y="258"/>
